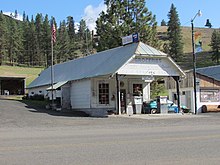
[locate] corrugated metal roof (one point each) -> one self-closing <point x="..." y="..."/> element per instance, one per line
<point x="102" y="63"/>
<point x="211" y="71"/>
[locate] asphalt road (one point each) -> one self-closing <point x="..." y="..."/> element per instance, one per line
<point x="43" y="137"/>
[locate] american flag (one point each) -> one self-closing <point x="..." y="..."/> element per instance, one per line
<point x="53" y="33"/>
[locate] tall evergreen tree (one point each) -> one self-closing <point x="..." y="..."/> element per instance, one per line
<point x="215" y="46"/>
<point x="46" y="41"/>
<point x="39" y="34"/>
<point x="20" y="40"/>
<point x="32" y="39"/>
<point x="26" y="41"/>
<point x="24" y="17"/>
<point x="124" y="17"/>
<point x="84" y="38"/>
<point x="71" y="28"/>
<point x="163" y="23"/>
<point x="14" y="42"/>
<point x="174" y="35"/>
<point x="62" y="43"/>
<point x="72" y="36"/>
<point x="3" y="35"/>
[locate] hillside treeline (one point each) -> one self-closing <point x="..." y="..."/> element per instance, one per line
<point x="28" y="42"/>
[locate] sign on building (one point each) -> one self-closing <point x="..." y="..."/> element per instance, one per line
<point x="130" y="39"/>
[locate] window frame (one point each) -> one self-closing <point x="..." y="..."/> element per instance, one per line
<point x="103" y="93"/>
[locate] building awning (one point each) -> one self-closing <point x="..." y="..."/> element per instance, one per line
<point x="57" y="85"/>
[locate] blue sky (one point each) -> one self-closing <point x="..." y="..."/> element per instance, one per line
<point x="89" y="9"/>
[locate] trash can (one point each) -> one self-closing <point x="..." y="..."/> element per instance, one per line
<point x="137" y="104"/>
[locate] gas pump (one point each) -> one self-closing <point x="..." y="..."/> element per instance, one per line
<point x="162" y="104"/>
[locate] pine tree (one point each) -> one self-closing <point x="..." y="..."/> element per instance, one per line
<point x="71" y="28"/>
<point x="62" y="43"/>
<point x="72" y="37"/>
<point x="26" y="42"/>
<point x="215" y="46"/>
<point x="125" y="17"/>
<point x="174" y="35"/>
<point x="84" y="38"/>
<point x="163" y="23"/>
<point x="14" y="45"/>
<point x="3" y="35"/>
<point x="46" y="41"/>
<point x="16" y="14"/>
<point x="39" y="34"/>
<point x="32" y="43"/>
<point x="24" y="17"/>
<point x="20" y="41"/>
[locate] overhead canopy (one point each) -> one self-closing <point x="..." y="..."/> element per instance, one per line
<point x="57" y="85"/>
<point x="103" y="63"/>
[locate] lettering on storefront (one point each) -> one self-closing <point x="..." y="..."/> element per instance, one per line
<point x="146" y="61"/>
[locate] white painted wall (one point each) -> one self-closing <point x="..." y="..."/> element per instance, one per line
<point x="149" y="66"/>
<point x="95" y="93"/>
<point x="187" y="100"/>
<point x="33" y="91"/>
<point x="80" y="94"/>
<point x="128" y="86"/>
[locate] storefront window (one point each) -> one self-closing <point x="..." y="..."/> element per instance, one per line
<point x="209" y="95"/>
<point x="103" y="93"/>
<point x="137" y="89"/>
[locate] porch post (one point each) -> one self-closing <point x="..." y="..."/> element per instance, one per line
<point x="118" y="95"/>
<point x="177" y="78"/>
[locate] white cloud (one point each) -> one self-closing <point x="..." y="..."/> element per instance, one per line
<point x="19" y="17"/>
<point x="91" y="14"/>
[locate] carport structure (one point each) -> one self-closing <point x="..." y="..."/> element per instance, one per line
<point x="12" y="85"/>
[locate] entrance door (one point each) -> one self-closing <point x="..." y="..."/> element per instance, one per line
<point x="123" y="100"/>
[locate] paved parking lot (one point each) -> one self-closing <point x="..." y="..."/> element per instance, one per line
<point x="39" y="136"/>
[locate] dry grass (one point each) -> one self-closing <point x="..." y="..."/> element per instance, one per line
<point x="203" y="58"/>
<point x="187" y="37"/>
<point x="29" y="73"/>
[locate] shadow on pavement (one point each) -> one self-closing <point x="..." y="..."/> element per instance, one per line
<point x="39" y="107"/>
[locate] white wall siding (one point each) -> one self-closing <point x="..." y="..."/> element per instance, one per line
<point x="95" y="93"/>
<point x="80" y="94"/>
<point x="149" y="66"/>
<point x="38" y="91"/>
<point x="187" y="99"/>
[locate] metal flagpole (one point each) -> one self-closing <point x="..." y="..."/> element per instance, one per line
<point x="53" y="39"/>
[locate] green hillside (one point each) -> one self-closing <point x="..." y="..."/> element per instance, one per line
<point x="29" y="73"/>
<point x="187" y="37"/>
<point x="203" y="58"/>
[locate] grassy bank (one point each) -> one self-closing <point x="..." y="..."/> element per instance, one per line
<point x="29" y="73"/>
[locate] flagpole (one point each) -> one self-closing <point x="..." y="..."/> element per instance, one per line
<point x="52" y="70"/>
<point x="52" y="74"/>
